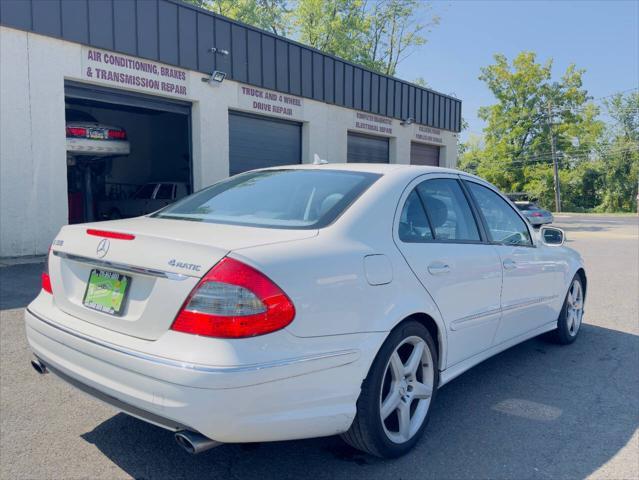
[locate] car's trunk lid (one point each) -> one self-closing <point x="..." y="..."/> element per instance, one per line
<point x="163" y="262"/>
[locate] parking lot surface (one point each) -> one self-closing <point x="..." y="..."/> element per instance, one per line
<point x="538" y="410"/>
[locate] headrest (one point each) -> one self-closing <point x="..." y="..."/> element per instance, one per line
<point x="329" y="202"/>
<point x="437" y="210"/>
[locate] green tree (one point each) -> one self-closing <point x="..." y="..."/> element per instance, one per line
<point x="396" y="28"/>
<point x="619" y="155"/>
<point x="271" y="15"/>
<point x="378" y="34"/>
<point x="531" y="106"/>
<point x="333" y="26"/>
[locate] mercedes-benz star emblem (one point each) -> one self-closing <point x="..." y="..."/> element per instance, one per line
<point x="103" y="247"/>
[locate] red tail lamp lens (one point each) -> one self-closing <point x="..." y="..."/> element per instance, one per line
<point x="117" y="134"/>
<point x="45" y="279"/>
<point x="234" y="300"/>
<point x="76" y="132"/>
<point x="46" y="283"/>
<point x="107" y="234"/>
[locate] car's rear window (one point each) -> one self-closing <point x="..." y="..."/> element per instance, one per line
<point x="286" y="198"/>
<point x="525" y="206"/>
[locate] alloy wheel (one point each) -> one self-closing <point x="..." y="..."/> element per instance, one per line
<point x="575" y="307"/>
<point x="407" y="389"/>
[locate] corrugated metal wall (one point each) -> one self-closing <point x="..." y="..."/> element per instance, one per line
<point x="171" y="32"/>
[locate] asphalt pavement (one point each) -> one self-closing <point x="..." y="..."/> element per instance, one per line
<point x="536" y="411"/>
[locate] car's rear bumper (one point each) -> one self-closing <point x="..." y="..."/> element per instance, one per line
<point x="298" y="397"/>
<point x="86" y="146"/>
<point x="537" y="221"/>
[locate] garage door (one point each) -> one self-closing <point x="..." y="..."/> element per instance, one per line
<point x="258" y="142"/>
<point x="421" y="154"/>
<point x="367" y="149"/>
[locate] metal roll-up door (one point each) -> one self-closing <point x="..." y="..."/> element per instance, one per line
<point x="94" y="93"/>
<point x="422" y="154"/>
<point x="367" y="148"/>
<point x="258" y="142"/>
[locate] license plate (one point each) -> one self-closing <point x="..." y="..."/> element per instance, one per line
<point x="97" y="134"/>
<point x="106" y="291"/>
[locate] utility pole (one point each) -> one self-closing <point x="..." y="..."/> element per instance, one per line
<point x="555" y="167"/>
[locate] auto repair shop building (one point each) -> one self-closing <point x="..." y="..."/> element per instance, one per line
<point x="146" y="67"/>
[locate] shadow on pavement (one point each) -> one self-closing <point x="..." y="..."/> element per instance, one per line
<point x="19" y="284"/>
<point x="538" y="410"/>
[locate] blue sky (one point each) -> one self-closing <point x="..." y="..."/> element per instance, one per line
<point x="601" y="37"/>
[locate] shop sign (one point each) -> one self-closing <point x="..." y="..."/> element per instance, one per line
<point x="428" y="134"/>
<point x="260" y="100"/>
<point x="373" y="123"/>
<point x="115" y="69"/>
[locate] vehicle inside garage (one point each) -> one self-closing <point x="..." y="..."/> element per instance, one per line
<point x="125" y="157"/>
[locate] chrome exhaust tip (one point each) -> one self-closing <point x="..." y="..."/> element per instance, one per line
<point x="38" y="366"/>
<point x="194" y="442"/>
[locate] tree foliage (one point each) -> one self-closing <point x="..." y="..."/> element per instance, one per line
<point x="378" y="34"/>
<point x="598" y="169"/>
<point x="271" y="15"/>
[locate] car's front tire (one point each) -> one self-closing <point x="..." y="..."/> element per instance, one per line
<point x="569" y="321"/>
<point x="394" y="405"/>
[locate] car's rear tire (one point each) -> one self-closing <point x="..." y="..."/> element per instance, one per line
<point x="394" y="405"/>
<point x="570" y="318"/>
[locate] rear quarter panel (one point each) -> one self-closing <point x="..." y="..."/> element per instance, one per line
<point x="326" y="279"/>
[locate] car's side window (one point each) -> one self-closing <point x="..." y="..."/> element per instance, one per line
<point x="448" y="210"/>
<point x="504" y="225"/>
<point x="413" y="222"/>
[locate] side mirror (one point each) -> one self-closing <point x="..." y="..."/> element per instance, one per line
<point x="552" y="236"/>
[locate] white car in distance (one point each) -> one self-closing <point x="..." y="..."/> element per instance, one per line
<point x="301" y="301"/>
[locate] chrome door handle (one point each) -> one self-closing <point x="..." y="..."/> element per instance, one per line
<point x="509" y="264"/>
<point x="438" y="268"/>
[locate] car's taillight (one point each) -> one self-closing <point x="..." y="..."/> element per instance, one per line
<point x="117" y="134"/>
<point x="45" y="277"/>
<point x="76" y="132"/>
<point x="234" y="300"/>
<point x="536" y="214"/>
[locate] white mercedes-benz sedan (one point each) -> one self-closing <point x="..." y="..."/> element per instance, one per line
<point x="300" y="302"/>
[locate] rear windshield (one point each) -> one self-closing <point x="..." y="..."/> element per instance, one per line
<point x="526" y="206"/>
<point x="295" y="199"/>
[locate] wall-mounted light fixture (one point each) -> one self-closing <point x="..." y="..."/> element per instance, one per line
<point x="216" y="76"/>
<point x="407" y="121"/>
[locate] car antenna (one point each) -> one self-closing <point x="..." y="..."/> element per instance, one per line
<point x="319" y="161"/>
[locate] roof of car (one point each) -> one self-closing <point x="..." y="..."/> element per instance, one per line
<point x="379" y="168"/>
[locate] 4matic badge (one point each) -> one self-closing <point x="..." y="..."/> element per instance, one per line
<point x="188" y="266"/>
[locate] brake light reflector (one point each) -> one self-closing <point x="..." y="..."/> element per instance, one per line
<point x="107" y="234"/>
<point x="45" y="279"/>
<point x="117" y="134"/>
<point x="46" y="283"/>
<point x="76" y="132"/>
<point x="234" y="300"/>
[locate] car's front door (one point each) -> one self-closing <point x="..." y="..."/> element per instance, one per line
<point x="530" y="276"/>
<point x="443" y="244"/>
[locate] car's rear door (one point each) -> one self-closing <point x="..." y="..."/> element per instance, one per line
<point x="531" y="275"/>
<point x="445" y="246"/>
